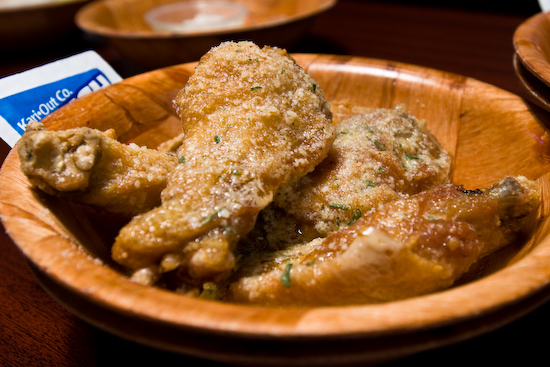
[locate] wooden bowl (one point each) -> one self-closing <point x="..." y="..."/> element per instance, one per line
<point x="539" y="92"/>
<point x="532" y="45"/>
<point x="490" y="132"/>
<point x="274" y="22"/>
<point x="37" y="25"/>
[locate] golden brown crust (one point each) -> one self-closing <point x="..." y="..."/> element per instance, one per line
<point x="253" y="121"/>
<point x="377" y="157"/>
<point x="90" y="167"/>
<point x="402" y="249"/>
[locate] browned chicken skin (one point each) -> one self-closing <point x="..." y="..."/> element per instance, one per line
<point x="91" y="167"/>
<point x="376" y="157"/>
<point x="402" y="249"/>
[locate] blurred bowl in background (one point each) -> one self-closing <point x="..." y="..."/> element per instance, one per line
<point x="532" y="57"/>
<point x="532" y="45"/>
<point x="124" y="25"/>
<point x="26" y="24"/>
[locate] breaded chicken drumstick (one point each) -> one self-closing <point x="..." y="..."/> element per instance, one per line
<point x="91" y="167"/>
<point x="376" y="157"/>
<point x="402" y="249"/>
<point x="253" y="121"/>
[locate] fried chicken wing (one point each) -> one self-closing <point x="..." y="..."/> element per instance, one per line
<point x="404" y="248"/>
<point x="253" y="121"/>
<point x="91" y="167"/>
<point x="377" y="157"/>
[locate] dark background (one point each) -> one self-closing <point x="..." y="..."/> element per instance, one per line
<point x="514" y="7"/>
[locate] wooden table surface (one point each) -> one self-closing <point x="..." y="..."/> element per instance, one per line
<point x="37" y="331"/>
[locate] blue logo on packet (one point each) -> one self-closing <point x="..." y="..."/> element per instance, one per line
<point x="34" y="104"/>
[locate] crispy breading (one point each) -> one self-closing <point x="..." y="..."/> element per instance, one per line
<point x="377" y="157"/>
<point x="404" y="248"/>
<point x="91" y="167"/>
<point x="253" y="121"/>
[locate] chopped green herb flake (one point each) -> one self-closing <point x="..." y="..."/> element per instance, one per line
<point x="432" y="217"/>
<point x="410" y="156"/>
<point x="181" y="159"/>
<point x="314" y="87"/>
<point x="283" y="71"/>
<point x="338" y="206"/>
<point x="255" y="88"/>
<point x="211" y="217"/>
<point x="285" y="278"/>
<point x="370" y="183"/>
<point x="380" y="145"/>
<point x="356" y="215"/>
<point x="310" y="263"/>
<point x="236" y="171"/>
<point x="381" y="169"/>
<point x="209" y="290"/>
<point x="217" y="139"/>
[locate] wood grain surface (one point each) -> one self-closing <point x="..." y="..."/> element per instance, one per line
<point x="532" y="57"/>
<point x="532" y="45"/>
<point x="35" y="330"/>
<point x="126" y="17"/>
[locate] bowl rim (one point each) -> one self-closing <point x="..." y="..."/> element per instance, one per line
<point x="527" y="47"/>
<point x="82" y="21"/>
<point x="515" y="282"/>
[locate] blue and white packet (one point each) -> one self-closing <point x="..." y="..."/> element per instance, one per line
<point x="35" y="93"/>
